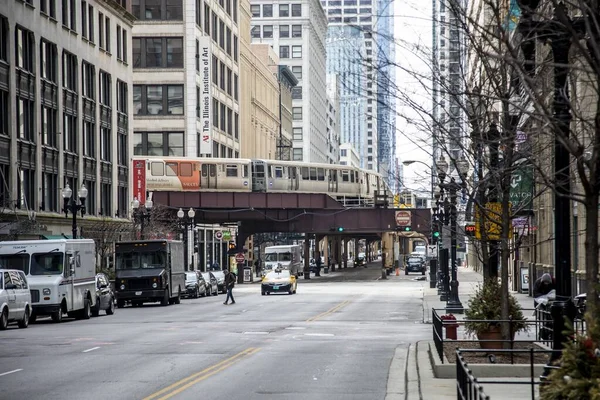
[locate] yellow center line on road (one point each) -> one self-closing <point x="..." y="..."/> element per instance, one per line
<point x="191" y="380"/>
<point x="330" y="311"/>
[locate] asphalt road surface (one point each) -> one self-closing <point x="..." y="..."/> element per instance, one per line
<point x="334" y="339"/>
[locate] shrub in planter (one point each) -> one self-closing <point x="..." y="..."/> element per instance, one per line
<point x="486" y="304"/>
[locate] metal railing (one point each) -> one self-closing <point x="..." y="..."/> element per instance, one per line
<point x="468" y="386"/>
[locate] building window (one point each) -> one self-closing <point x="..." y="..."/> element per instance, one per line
<point x="284" y="10"/>
<point x="49" y="192"/>
<point x="215" y="70"/>
<point x="207" y="19"/>
<point x="122" y="153"/>
<point x="297" y="70"/>
<point x="69" y="71"/>
<point x="228" y="41"/>
<point x="235" y="11"/>
<point x="255" y="32"/>
<point x="215" y="25"/>
<point x="297" y="133"/>
<point x="255" y="10"/>
<point x="297" y="154"/>
<point x="296" y="10"/>
<point x="123" y="202"/>
<point x="150" y="52"/>
<point x="101" y="30"/>
<point x="49" y="126"/>
<point x="3" y="39"/>
<point x="88" y="76"/>
<point x="284" y="51"/>
<point x="48" y="61"/>
<point x="235" y="86"/>
<point x="105" y="89"/>
<point x="296" y="51"/>
<point x="69" y="19"/>
<point x="84" y="19"/>
<point x="157" y="9"/>
<point x="122" y="99"/>
<point x="222" y="116"/>
<point x="236" y="126"/>
<point x="297" y="113"/>
<point x="229" y="81"/>
<point x="222" y="34"/>
<point x="90" y="23"/>
<point x="89" y="139"/>
<point x="229" y="121"/>
<point x="235" y="48"/>
<point x="284" y="31"/>
<point x="158" y="144"/>
<point x="26" y="189"/>
<point x="4" y="115"/>
<point x="222" y="76"/>
<point x="267" y="10"/>
<point x="25" y="119"/>
<point x="24" y="49"/>
<point x="215" y="120"/>
<point x="158" y="99"/>
<point x="119" y="43"/>
<point x="297" y="93"/>
<point x="70" y="132"/>
<point x="105" y="144"/>
<point x="106" y="199"/>
<point x="296" y="31"/>
<point x="48" y="7"/>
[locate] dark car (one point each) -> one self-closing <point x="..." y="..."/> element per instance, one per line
<point x="212" y="286"/>
<point x="105" y="298"/>
<point x="414" y="264"/>
<point x="194" y="285"/>
<point x="220" y="275"/>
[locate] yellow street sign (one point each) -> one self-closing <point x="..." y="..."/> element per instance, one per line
<point x="492" y="218"/>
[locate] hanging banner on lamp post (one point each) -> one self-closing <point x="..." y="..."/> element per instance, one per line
<point x="205" y="98"/>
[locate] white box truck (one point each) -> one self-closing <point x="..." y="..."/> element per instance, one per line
<point x="61" y="274"/>
<point x="286" y="256"/>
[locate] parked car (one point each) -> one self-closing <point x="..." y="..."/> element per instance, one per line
<point x="15" y="298"/>
<point x="220" y="275"/>
<point x="194" y="285"/>
<point x="415" y="264"/>
<point x="212" y="286"/>
<point x="279" y="280"/>
<point x="105" y="297"/>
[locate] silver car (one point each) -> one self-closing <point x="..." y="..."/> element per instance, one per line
<point x="212" y="287"/>
<point x="15" y="298"/>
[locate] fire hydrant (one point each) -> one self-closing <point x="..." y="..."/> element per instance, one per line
<point x="451" y="327"/>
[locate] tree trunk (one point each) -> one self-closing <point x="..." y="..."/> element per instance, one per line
<point x="591" y="251"/>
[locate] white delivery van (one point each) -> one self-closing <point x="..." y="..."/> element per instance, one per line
<point x="286" y="256"/>
<point x="61" y="274"/>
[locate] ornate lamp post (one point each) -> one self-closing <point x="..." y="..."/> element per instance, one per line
<point x="141" y="214"/>
<point x="186" y="221"/>
<point x="70" y="204"/>
<point x="453" y="304"/>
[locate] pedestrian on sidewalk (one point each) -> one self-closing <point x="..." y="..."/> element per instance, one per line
<point x="230" y="279"/>
<point x="318" y="263"/>
<point x="542" y="286"/>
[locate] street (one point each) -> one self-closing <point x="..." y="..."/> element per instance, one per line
<point x="334" y="339"/>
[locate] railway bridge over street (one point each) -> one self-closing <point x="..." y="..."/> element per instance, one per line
<point x="310" y="214"/>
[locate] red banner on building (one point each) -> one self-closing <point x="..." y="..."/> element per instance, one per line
<point x="139" y="180"/>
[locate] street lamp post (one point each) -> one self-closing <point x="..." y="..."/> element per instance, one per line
<point x="453" y="304"/>
<point x="70" y="204"/>
<point x="186" y="222"/>
<point x="141" y="214"/>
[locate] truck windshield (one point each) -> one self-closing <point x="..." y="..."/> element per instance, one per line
<point x="47" y="264"/>
<point x="137" y="260"/>
<point x="278" y="257"/>
<point x="15" y="261"/>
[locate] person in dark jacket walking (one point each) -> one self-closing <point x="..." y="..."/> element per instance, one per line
<point x="542" y="286"/>
<point x="318" y="263"/>
<point x="230" y="279"/>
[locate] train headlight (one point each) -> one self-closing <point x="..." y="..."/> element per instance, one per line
<point x="122" y="287"/>
<point x="155" y="285"/>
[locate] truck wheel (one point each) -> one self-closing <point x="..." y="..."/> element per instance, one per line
<point x="32" y="318"/>
<point x="165" y="299"/>
<point x="178" y="298"/>
<point x="57" y="316"/>
<point x="96" y="310"/>
<point x="111" y="307"/>
<point x="86" y="313"/>
<point x="24" y="323"/>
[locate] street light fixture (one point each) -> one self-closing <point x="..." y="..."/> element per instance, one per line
<point x="70" y="204"/>
<point x="186" y="221"/>
<point x="141" y="214"/>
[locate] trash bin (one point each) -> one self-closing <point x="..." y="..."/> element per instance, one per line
<point x="248" y="278"/>
<point x="450" y="327"/>
<point x="326" y="270"/>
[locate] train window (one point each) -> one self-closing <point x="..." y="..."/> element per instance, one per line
<point x="356" y="176"/>
<point x="320" y="174"/>
<point x="352" y="176"/>
<point x="157" y="168"/>
<point x="313" y="174"/>
<point x="232" y="170"/>
<point x="245" y="171"/>
<point x="278" y="172"/>
<point x="185" y="169"/>
<point x="345" y="176"/>
<point x="304" y="172"/>
<point x="171" y="169"/>
<point x="213" y="170"/>
<point x="204" y="170"/>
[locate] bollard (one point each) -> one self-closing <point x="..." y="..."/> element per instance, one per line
<point x="397" y="271"/>
<point x="383" y="273"/>
<point x="451" y="328"/>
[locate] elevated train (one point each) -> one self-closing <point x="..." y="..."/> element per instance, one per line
<point x="352" y="186"/>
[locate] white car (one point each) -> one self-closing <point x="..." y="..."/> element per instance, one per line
<point x="15" y="298"/>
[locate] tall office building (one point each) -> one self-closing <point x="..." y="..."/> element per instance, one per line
<point x="65" y="75"/>
<point x="297" y="31"/>
<point x="333" y="119"/>
<point x="371" y="21"/>
<point x="186" y="78"/>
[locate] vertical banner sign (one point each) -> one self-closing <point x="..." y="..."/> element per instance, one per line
<point x="139" y="180"/>
<point x="205" y="100"/>
<point x="521" y="189"/>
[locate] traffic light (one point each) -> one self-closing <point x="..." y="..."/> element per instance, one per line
<point x="340" y="229"/>
<point x="407" y="229"/>
<point x="231" y="247"/>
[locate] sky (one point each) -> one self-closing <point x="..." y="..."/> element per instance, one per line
<point x="413" y="36"/>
